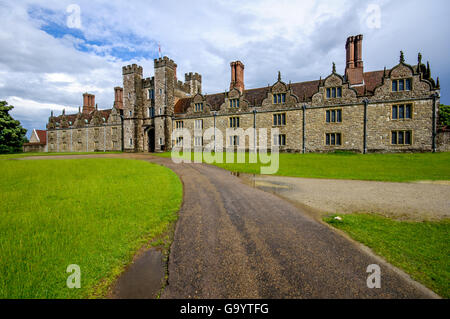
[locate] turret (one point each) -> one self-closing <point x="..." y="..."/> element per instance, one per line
<point x="194" y="80"/>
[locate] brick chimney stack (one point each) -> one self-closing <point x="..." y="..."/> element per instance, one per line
<point x="88" y="103"/>
<point x="118" y="98"/>
<point x="354" y="69"/>
<point x="237" y="76"/>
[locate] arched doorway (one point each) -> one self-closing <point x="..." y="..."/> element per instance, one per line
<point x="151" y="140"/>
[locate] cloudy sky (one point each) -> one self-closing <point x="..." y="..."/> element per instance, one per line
<point x="49" y="56"/>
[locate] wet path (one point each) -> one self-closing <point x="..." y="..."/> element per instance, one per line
<point x="235" y="241"/>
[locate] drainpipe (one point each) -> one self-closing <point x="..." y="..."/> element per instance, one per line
<point x="254" y="129"/>
<point x="122" y="142"/>
<point x="434" y="134"/>
<point x="104" y="137"/>
<point x="87" y="139"/>
<point x="366" y="103"/>
<point x="303" y="130"/>
<point x="214" y="114"/>
<point x="171" y="134"/>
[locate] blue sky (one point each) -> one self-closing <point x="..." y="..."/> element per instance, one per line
<point x="47" y="62"/>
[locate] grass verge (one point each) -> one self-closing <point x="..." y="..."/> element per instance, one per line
<point x="96" y="213"/>
<point x="419" y="248"/>
<point x="373" y="167"/>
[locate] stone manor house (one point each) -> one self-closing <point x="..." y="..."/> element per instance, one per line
<point x="390" y="110"/>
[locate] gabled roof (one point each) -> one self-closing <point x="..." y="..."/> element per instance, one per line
<point x="72" y="117"/>
<point x="42" y="135"/>
<point x="303" y="90"/>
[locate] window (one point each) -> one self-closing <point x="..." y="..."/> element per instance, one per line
<point x="401" y="85"/>
<point x="151" y="112"/>
<point x="333" y="139"/>
<point x="130" y="113"/>
<point x="179" y="141"/>
<point x="199" y="124"/>
<point x="198" y="107"/>
<point x="279" y="139"/>
<point x="198" y="141"/>
<point x="279" y="119"/>
<point x="333" y="116"/>
<point x="402" y="111"/>
<point x="334" y="92"/>
<point x="234" y="122"/>
<point x="150" y="94"/>
<point x="401" y="137"/>
<point x="234" y="140"/>
<point x="160" y="141"/>
<point x="160" y="91"/>
<point x="408" y="84"/>
<point x="160" y="111"/>
<point x="179" y="124"/>
<point x="234" y="103"/>
<point x="131" y="142"/>
<point x="279" y="98"/>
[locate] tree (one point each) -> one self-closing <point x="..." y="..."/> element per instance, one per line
<point x="444" y="115"/>
<point x="12" y="134"/>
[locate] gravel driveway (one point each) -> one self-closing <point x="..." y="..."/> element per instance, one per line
<point x="412" y="201"/>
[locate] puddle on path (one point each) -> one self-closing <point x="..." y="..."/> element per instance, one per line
<point x="143" y="279"/>
<point x="265" y="185"/>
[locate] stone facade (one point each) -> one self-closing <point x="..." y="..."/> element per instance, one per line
<point x="391" y="110"/>
<point x="443" y="140"/>
<point x="90" y="130"/>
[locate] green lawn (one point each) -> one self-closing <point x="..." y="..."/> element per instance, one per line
<point x="375" y="167"/>
<point x="96" y="213"/>
<point x="19" y="155"/>
<point x="419" y="248"/>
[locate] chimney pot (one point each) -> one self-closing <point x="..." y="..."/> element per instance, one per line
<point x="237" y="76"/>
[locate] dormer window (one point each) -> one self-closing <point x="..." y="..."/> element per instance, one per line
<point x="279" y="98"/>
<point x="234" y="103"/>
<point x="198" y="107"/>
<point x="401" y="85"/>
<point x="335" y="92"/>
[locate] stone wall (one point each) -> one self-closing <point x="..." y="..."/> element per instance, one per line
<point x="443" y="141"/>
<point x="86" y="139"/>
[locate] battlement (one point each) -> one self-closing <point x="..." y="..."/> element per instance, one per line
<point x="165" y="61"/>
<point x="148" y="82"/>
<point x="185" y="87"/>
<point x="130" y="69"/>
<point x="192" y="76"/>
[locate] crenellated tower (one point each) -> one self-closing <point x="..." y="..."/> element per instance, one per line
<point x="194" y="80"/>
<point x="165" y="83"/>
<point x="132" y="108"/>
